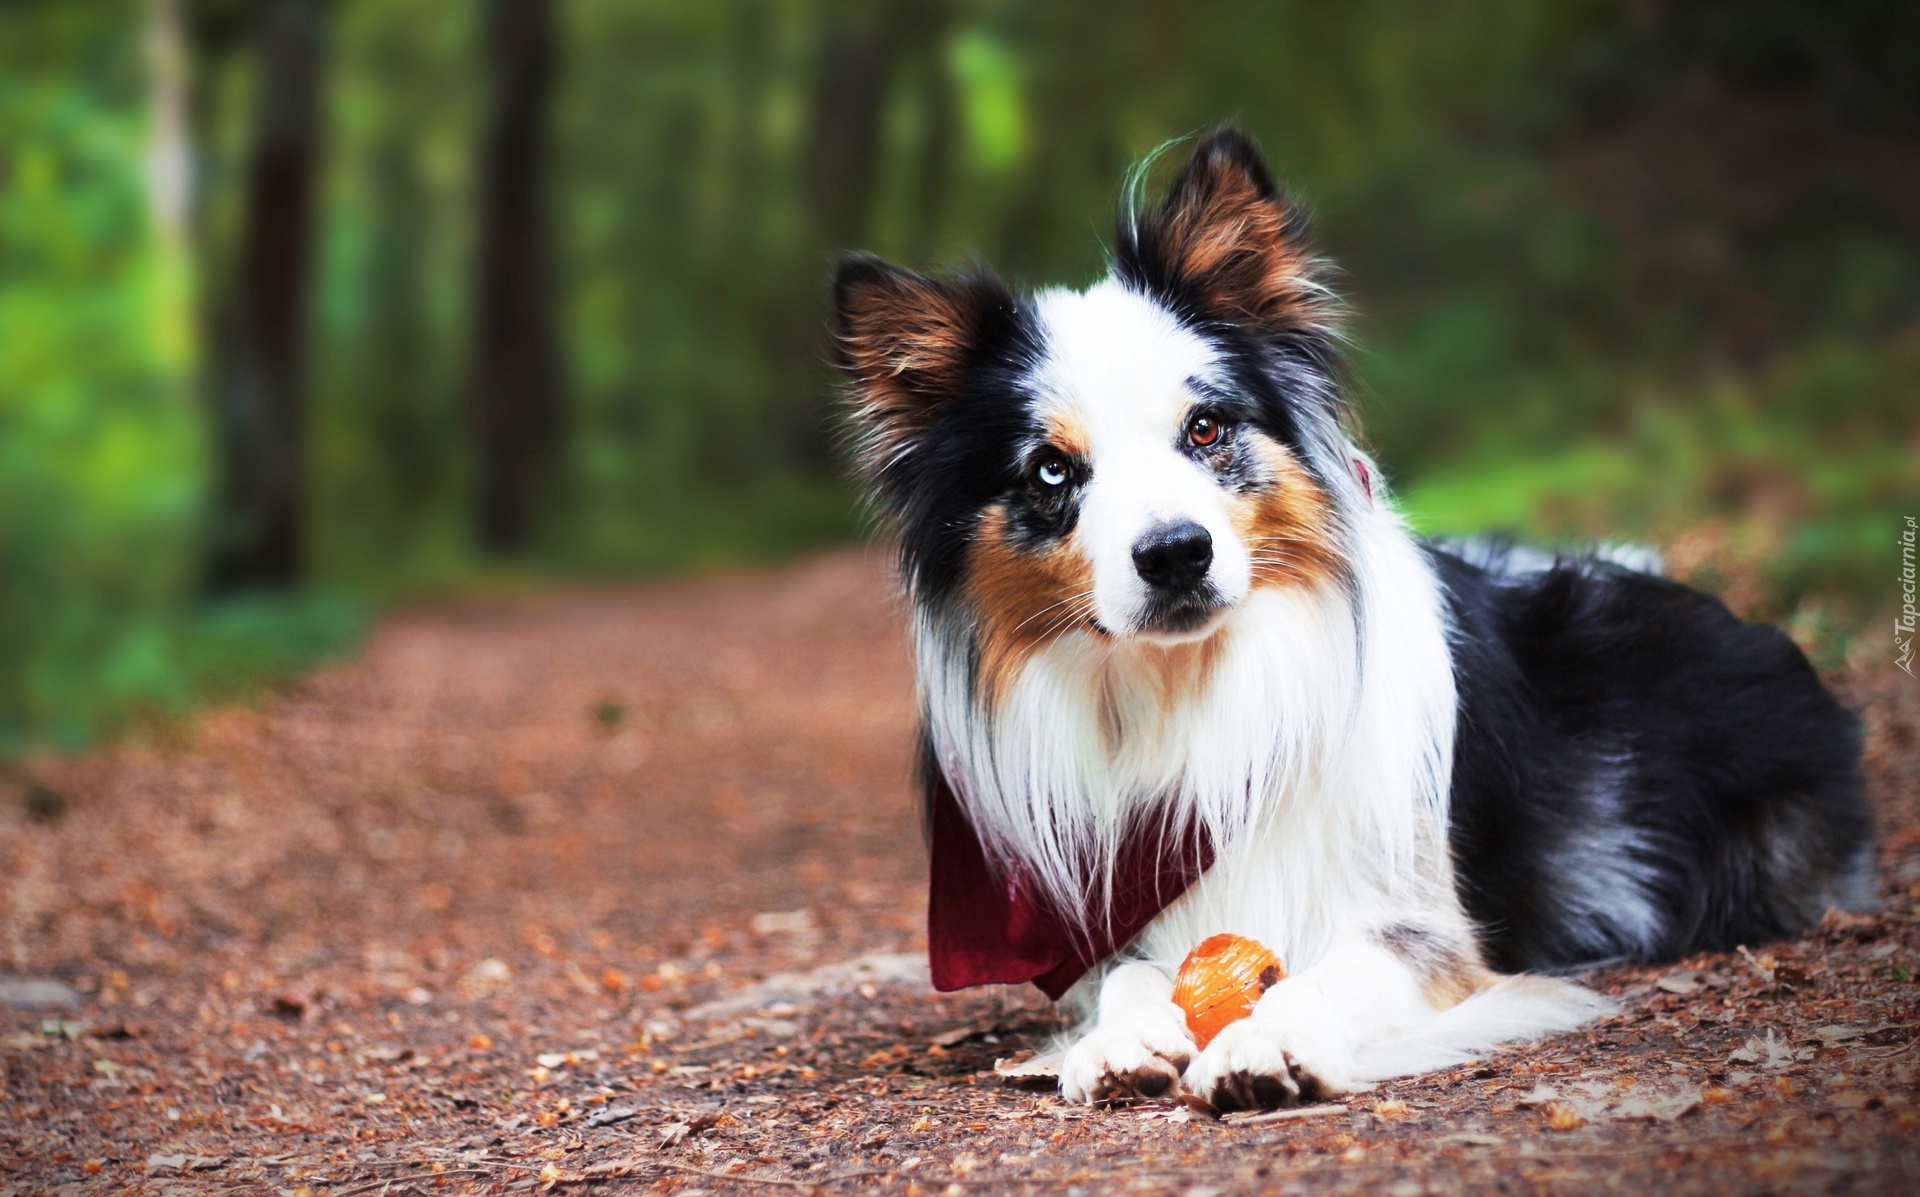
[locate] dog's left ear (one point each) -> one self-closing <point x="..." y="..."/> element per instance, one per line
<point x="1225" y="244"/>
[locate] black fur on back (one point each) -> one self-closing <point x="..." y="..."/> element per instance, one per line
<point x="1637" y="773"/>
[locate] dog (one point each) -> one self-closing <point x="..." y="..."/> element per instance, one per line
<point x="1183" y="670"/>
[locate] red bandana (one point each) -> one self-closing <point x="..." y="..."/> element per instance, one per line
<point x="985" y="929"/>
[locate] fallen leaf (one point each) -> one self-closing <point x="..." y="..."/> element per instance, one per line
<point x="35" y="993"/>
<point x="1594" y="1101"/>
<point x="887" y="1055"/>
<point x="1473" y="1139"/>
<point x="1839" y="1034"/>
<point x="1768" y="1053"/>
<point x="957" y="1035"/>
<point x="1764" y="965"/>
<point x="184" y="1163"/>
<point x="1838" y="921"/>
<point x="1681" y="983"/>
<point x="1660" y="1107"/>
<point x="1029" y="1070"/>
<point x="783" y="922"/>
<point x="614" y="1168"/>
<point x="611" y="1115"/>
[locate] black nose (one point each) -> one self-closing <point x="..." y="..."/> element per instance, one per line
<point x="1173" y="556"/>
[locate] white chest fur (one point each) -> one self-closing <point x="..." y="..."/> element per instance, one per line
<point x="1311" y="737"/>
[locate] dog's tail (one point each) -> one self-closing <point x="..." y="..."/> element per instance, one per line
<point x="1511" y="1010"/>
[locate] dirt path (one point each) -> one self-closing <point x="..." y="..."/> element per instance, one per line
<point x="559" y="896"/>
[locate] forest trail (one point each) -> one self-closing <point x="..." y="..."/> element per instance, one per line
<point x="562" y="894"/>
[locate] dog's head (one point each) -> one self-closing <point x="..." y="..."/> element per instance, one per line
<point x="1132" y="461"/>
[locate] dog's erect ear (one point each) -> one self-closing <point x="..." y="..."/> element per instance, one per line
<point x="1225" y="244"/>
<point x="904" y="340"/>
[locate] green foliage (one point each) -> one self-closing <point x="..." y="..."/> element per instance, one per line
<point x="235" y="645"/>
<point x="102" y="459"/>
<point x="1799" y="478"/>
<point x="99" y="446"/>
<point x="390" y="469"/>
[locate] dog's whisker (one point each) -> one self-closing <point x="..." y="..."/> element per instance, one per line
<point x="1076" y="597"/>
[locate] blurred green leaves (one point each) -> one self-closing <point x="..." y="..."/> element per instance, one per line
<point x="989" y="82"/>
<point x="102" y="437"/>
<point x="100" y="446"/>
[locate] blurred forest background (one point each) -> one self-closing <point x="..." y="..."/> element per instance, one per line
<point x="309" y="307"/>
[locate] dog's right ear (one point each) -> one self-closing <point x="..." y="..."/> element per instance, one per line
<point x="903" y="341"/>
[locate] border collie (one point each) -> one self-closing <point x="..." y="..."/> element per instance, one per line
<point x="1183" y="670"/>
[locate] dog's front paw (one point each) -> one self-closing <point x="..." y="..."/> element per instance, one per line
<point x="1141" y="1056"/>
<point x="1254" y="1064"/>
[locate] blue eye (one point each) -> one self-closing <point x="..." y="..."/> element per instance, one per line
<point x="1051" y="472"/>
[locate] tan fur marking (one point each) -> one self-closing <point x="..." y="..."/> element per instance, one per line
<point x="1068" y="435"/>
<point x="1022" y="598"/>
<point x="1285" y="526"/>
<point x="1177" y="673"/>
<point x="1445" y="988"/>
<point x="1449" y="971"/>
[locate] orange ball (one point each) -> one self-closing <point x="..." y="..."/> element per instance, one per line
<point x="1219" y="982"/>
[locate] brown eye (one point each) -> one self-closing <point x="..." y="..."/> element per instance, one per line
<point x="1202" y="431"/>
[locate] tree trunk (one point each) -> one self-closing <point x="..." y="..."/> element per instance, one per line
<point x="258" y="379"/>
<point x="518" y="406"/>
<point x="933" y="173"/>
<point x="856" y="59"/>
<point x="856" y="63"/>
